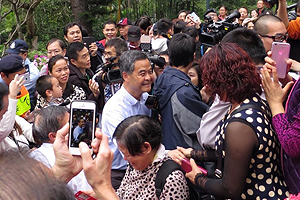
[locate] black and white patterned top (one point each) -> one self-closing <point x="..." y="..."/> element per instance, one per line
<point x="141" y="184"/>
<point x="264" y="179"/>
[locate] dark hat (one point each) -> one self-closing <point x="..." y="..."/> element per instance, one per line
<point x="134" y="34"/>
<point x="124" y="22"/>
<point x="11" y="63"/>
<point x="209" y="11"/>
<point x="17" y="46"/>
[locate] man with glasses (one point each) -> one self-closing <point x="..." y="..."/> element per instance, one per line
<point x="270" y="29"/>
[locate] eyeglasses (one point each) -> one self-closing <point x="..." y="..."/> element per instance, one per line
<point x="278" y="37"/>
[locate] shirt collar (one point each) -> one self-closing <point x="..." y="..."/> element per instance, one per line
<point x="131" y="99"/>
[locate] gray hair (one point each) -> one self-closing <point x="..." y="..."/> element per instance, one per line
<point x="128" y="58"/>
<point x="47" y="120"/>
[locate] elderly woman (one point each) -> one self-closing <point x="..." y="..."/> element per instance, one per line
<point x="247" y="149"/>
<point x="139" y="139"/>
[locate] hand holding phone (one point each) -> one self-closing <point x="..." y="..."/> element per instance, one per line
<point x="280" y="54"/>
<point x="82" y="125"/>
<point x="186" y="166"/>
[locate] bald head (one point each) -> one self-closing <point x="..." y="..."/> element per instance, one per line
<point x="261" y="25"/>
<point x="267" y="26"/>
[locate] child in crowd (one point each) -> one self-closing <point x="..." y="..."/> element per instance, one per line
<point x="49" y="91"/>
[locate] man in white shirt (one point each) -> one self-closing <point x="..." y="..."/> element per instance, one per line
<point x="130" y="100"/>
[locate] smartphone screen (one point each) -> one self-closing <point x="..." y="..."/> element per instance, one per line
<point x="280" y="54"/>
<point x="82" y="125"/>
<point x="83" y="196"/>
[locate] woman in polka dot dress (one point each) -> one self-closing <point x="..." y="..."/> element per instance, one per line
<point x="247" y="147"/>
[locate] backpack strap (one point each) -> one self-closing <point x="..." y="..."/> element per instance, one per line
<point x="164" y="171"/>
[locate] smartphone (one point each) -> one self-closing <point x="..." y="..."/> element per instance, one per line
<point x="186" y="166"/>
<point x="26" y="77"/>
<point x="83" y="196"/>
<point x="280" y="54"/>
<point x="145" y="43"/>
<point x="194" y="17"/>
<point x="82" y="125"/>
<point x="88" y="40"/>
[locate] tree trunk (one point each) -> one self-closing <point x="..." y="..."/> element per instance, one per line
<point x="79" y="8"/>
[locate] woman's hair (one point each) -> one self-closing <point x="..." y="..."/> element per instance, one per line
<point x="143" y="23"/>
<point x="53" y="61"/>
<point x="134" y="131"/>
<point x="227" y="69"/>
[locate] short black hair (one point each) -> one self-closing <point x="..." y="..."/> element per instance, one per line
<point x="43" y="83"/>
<point x="110" y="22"/>
<point x="181" y="49"/>
<point x="60" y="42"/>
<point x="73" y="50"/>
<point x="164" y="25"/>
<point x="47" y="120"/>
<point x="3" y="92"/>
<point x="249" y="41"/>
<point x="53" y="61"/>
<point x="119" y="44"/>
<point x="70" y="25"/>
<point x="179" y="26"/>
<point x="191" y="31"/>
<point x="134" y="131"/>
<point x="143" y="22"/>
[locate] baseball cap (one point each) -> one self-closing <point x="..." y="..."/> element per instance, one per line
<point x="17" y="46"/>
<point x="11" y="63"/>
<point x="124" y="22"/>
<point x="134" y="34"/>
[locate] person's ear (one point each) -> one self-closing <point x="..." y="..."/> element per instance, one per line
<point x="52" y="137"/>
<point x="147" y="147"/>
<point x="66" y="38"/>
<point x="73" y="62"/>
<point x="48" y="93"/>
<point x="64" y="51"/>
<point x="125" y="77"/>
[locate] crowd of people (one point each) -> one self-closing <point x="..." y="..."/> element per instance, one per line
<point x="165" y="92"/>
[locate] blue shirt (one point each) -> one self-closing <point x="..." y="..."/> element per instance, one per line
<point x="77" y="131"/>
<point x="119" y="107"/>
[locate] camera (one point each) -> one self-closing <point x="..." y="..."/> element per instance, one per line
<point x="157" y="60"/>
<point x="215" y="31"/>
<point x="109" y="75"/>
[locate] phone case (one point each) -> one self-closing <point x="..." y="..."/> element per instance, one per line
<point x="186" y="166"/>
<point x="83" y="196"/>
<point x="280" y="54"/>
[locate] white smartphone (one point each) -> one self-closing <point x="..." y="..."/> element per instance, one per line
<point x="280" y="54"/>
<point x="26" y="77"/>
<point x="82" y="125"/>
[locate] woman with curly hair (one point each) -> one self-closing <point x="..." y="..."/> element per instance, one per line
<point x="247" y="149"/>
